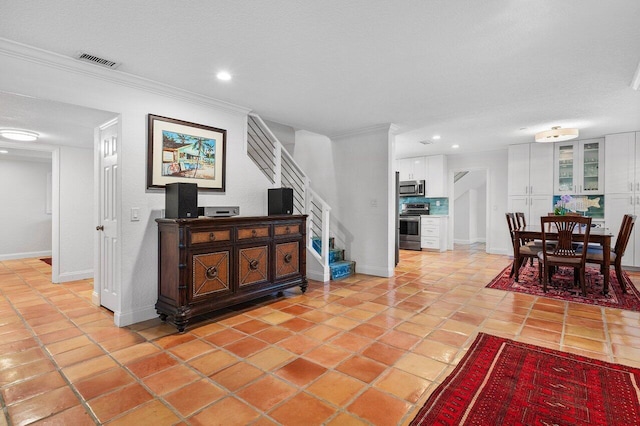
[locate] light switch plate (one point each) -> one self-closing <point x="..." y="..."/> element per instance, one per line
<point x="135" y="214"/>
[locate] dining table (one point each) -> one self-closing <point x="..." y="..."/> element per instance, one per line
<point x="600" y="236"/>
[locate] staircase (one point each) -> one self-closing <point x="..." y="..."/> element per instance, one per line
<point x="266" y="151"/>
<point x="338" y="266"/>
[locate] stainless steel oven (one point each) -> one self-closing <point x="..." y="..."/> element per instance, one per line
<point x="410" y="213"/>
<point x="410" y="232"/>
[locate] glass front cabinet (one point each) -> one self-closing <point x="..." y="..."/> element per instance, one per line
<point x="579" y="167"/>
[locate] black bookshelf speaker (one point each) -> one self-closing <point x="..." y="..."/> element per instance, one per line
<point x="181" y="200"/>
<point x="280" y="201"/>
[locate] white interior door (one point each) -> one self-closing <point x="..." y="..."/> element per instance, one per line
<point x="109" y="243"/>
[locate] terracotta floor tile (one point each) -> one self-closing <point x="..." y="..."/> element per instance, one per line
<point x="299" y="344"/>
<point x="403" y="385"/>
<point x="132" y="353"/>
<point x="103" y="383"/>
<point x="151" y="365"/>
<point x="212" y="362"/>
<point x="379" y="408"/>
<point x="43" y="405"/>
<point x="18" y="346"/>
<point x="68" y="344"/>
<point x="273" y="334"/>
<point x="351" y="342"/>
<point x="236" y="376"/>
<point x="152" y="413"/>
<point x="266" y="392"/>
<point x="81" y="354"/>
<point x="27" y="356"/>
<point x="108" y="406"/>
<point x="382" y="353"/>
<point x="344" y="419"/>
<point x="321" y="332"/>
<point x="191" y="349"/>
<point x="361" y="368"/>
<point x="171" y="379"/>
<point x="337" y="388"/>
<point x="200" y="394"/>
<point x="30" y="388"/>
<point x="25" y="371"/>
<point x="121" y="342"/>
<point x="301" y="371"/>
<point x="270" y="358"/>
<point x="224" y="337"/>
<point x="251" y="326"/>
<point x="246" y="346"/>
<point x="228" y="408"/>
<point x="206" y="329"/>
<point x="297" y="324"/>
<point x="328" y="356"/>
<point x="76" y="416"/>
<point x="421" y="366"/>
<point x="315" y="412"/>
<point x="399" y="339"/>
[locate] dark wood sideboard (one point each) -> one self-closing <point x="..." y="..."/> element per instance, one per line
<point x="205" y="264"/>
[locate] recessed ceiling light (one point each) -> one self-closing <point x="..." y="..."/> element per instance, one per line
<point x="224" y="76"/>
<point x="19" y="135"/>
<point x="436" y="137"/>
<point x="456" y="146"/>
<point x="3" y="151"/>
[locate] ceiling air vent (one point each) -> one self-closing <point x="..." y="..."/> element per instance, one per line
<point x="96" y="60"/>
<point x="426" y="142"/>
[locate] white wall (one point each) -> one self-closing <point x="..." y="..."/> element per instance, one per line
<point x="48" y="76"/>
<point x="77" y="227"/>
<point x="461" y="232"/>
<point x="496" y="163"/>
<point x="353" y="174"/>
<point x="25" y="227"/>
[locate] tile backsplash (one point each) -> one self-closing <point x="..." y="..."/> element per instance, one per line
<point x="439" y="206"/>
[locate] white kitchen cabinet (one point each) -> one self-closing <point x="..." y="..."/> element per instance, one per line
<point x="533" y="206"/>
<point x="530" y="169"/>
<point x="436" y="176"/>
<point x="412" y="168"/>
<point x="530" y="180"/>
<point x="433" y="232"/>
<point x="578" y="167"/>
<point x="622" y="188"/>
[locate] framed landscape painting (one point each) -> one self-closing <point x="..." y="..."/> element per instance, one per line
<point x="180" y="151"/>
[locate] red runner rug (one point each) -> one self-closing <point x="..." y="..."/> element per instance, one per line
<point x="561" y="287"/>
<point x="503" y="382"/>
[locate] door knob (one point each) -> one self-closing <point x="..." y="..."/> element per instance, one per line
<point x="100" y="228"/>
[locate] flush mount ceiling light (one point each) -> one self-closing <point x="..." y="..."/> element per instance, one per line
<point x="556" y="134"/>
<point x="3" y="151"/>
<point x="224" y="76"/>
<point x="19" y="135"/>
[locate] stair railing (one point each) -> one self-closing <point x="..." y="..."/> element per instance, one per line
<point x="266" y="151"/>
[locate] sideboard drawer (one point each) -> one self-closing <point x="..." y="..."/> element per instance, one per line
<point x="257" y="232"/>
<point x="211" y="236"/>
<point x="293" y="229"/>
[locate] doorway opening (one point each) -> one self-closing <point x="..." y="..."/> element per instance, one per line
<point x="468" y="208"/>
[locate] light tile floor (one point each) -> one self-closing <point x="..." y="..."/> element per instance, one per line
<point x="364" y="350"/>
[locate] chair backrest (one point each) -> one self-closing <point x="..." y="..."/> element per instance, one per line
<point x="522" y="221"/>
<point x="565" y="228"/>
<point x="511" y="222"/>
<point x="624" y="234"/>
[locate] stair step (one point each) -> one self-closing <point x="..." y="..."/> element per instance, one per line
<point x="316" y="242"/>
<point x="336" y="255"/>
<point x="342" y="269"/>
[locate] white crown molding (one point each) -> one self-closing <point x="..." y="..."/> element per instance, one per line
<point x="387" y="127"/>
<point x="46" y="58"/>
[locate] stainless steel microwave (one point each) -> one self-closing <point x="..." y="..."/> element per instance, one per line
<point x="411" y="188"/>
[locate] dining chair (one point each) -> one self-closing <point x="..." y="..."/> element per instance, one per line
<point x="521" y="220"/>
<point x="595" y="254"/>
<point x="527" y="251"/>
<point x="564" y="252"/>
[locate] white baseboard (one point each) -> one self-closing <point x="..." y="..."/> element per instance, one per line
<point x="376" y="271"/>
<point x="75" y="276"/>
<point x="462" y="242"/>
<point x="12" y="256"/>
<point x="122" y="319"/>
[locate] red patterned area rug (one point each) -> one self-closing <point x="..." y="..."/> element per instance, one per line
<point x="46" y="260"/>
<point x="561" y="287"/>
<point x="503" y="382"/>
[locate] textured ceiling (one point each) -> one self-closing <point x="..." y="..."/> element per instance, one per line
<point x="482" y="74"/>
